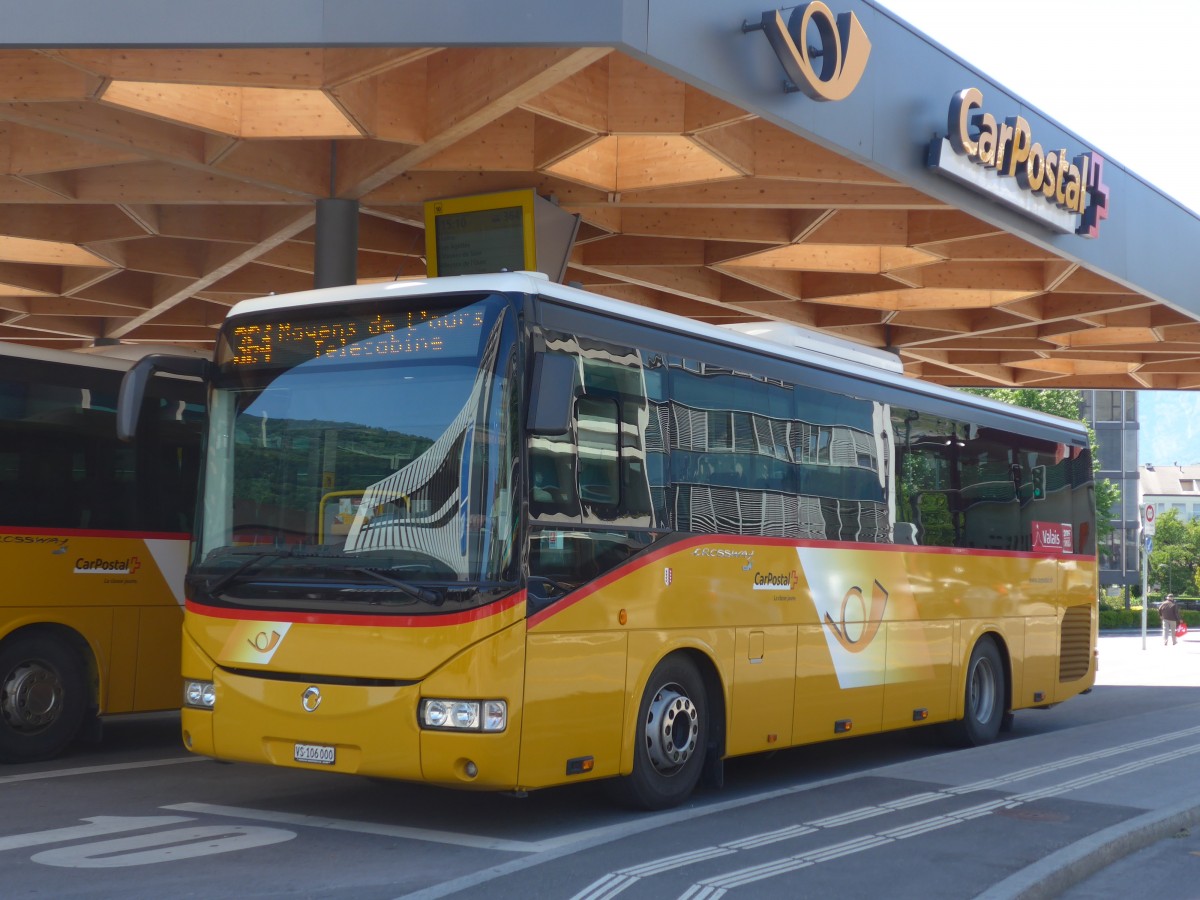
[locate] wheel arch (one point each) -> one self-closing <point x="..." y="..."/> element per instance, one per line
<point x="70" y="637"/>
<point x="704" y="661"/>
<point x="997" y="638"/>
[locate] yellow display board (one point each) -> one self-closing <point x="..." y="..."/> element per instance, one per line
<point x="504" y="231"/>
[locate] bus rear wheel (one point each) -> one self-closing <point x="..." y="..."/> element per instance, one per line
<point x="671" y="738"/>
<point x="983" y="700"/>
<point x="42" y="700"/>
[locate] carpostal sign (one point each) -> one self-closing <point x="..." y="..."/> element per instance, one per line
<point x="1001" y="158"/>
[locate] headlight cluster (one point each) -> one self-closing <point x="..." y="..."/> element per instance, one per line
<point x="199" y="694"/>
<point x="464" y="715"/>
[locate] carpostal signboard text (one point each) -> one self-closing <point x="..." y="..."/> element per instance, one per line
<point x="1001" y="158"/>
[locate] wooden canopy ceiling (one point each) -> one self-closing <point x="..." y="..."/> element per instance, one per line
<point x="145" y="191"/>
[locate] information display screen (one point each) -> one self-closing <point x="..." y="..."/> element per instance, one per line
<point x="478" y="241"/>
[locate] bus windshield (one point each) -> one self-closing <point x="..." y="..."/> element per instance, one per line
<point x="361" y="457"/>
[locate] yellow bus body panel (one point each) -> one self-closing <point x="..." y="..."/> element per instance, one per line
<point x="121" y="593"/>
<point x="373" y="727"/>
<point x="851" y="640"/>
<point x="803" y="642"/>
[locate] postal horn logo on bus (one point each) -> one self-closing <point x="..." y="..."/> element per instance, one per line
<point x="830" y="70"/>
<point x="1001" y="158"/>
<point x="857" y="637"/>
<point x="254" y="642"/>
<point x="265" y="643"/>
<point x="107" y="566"/>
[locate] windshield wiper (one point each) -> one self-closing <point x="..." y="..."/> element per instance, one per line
<point x="413" y="590"/>
<point x="215" y="587"/>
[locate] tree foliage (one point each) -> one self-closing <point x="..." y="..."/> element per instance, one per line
<point x="1175" y="558"/>
<point x="1066" y="404"/>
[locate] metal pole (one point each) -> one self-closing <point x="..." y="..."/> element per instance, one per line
<point x="1145" y="588"/>
<point x="335" y="258"/>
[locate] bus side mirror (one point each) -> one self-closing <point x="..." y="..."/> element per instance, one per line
<point x="552" y="398"/>
<point x="133" y="385"/>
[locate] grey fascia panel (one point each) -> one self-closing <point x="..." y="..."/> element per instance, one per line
<point x="324" y="23"/>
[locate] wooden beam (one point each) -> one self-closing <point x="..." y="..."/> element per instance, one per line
<point x="760" y="193"/>
<point x="580" y="99"/>
<point x="154" y="182"/>
<point x="779" y="154"/>
<point x="173" y="298"/>
<point x="30" y="77"/>
<point x="764" y="225"/>
<point x="469" y="88"/>
<point x="642" y="99"/>
<point x="625" y="251"/>
<point x="854" y="226"/>
<point x="260" y="66"/>
<point x="301" y="166"/>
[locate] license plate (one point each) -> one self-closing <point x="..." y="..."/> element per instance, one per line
<point x="316" y="753"/>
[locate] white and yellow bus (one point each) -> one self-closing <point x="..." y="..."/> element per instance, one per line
<point x="492" y="532"/>
<point x="93" y="545"/>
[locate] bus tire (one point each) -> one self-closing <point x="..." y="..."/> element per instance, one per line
<point x="671" y="739"/>
<point x="42" y="697"/>
<point x="983" y="699"/>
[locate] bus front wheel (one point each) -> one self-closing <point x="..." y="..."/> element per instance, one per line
<point x="983" y="700"/>
<point x="42" y="700"/>
<point x="671" y="738"/>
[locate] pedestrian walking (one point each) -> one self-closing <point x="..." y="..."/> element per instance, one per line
<point x="1169" y="613"/>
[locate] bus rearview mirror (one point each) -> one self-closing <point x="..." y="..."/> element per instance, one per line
<point x="552" y="397"/>
<point x="133" y="385"/>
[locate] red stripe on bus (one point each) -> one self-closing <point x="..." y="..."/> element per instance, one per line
<point x="100" y="533"/>
<point x="435" y="621"/>
<point x="672" y="547"/>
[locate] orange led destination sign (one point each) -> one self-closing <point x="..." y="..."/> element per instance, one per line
<point x="1001" y="158"/>
<point x="376" y="337"/>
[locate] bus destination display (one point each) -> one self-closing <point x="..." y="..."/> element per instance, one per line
<point x="419" y="332"/>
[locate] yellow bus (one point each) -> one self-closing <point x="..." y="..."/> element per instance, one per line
<point x="93" y="543"/>
<point x="493" y="532"/>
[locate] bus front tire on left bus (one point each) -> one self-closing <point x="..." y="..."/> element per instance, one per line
<point x="42" y="697"/>
<point x="671" y="738"/>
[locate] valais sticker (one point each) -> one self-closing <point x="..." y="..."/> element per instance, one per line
<point x="1052" y="537"/>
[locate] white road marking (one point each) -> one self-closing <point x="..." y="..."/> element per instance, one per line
<point x="400" y="831"/>
<point x="714" y="887"/>
<point x="162" y="846"/>
<point x="98" y="826"/>
<point x="93" y="770"/>
<point x="614" y="883"/>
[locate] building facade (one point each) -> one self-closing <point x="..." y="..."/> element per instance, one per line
<point x="1113" y="415"/>
<point x="1171" y="487"/>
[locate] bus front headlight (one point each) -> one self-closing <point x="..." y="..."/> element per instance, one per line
<point x="199" y="694"/>
<point x="463" y="715"/>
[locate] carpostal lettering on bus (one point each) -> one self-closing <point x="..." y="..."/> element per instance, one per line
<point x="107" y="566"/>
<point x="1009" y="148"/>
<point x="774" y="581"/>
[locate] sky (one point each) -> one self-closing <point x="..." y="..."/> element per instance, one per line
<point x="1124" y="77"/>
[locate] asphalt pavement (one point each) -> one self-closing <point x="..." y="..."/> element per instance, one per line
<point x="1156" y="854"/>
